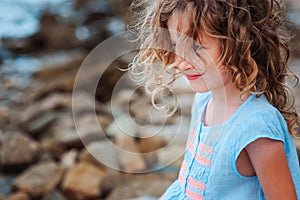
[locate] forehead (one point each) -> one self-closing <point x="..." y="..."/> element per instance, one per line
<point x="177" y="23"/>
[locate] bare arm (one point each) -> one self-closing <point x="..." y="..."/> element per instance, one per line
<point x="270" y="164"/>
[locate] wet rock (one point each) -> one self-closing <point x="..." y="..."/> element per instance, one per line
<point x="83" y="181"/>
<point x="18" y="196"/>
<point x="17" y="151"/>
<point x="39" y="179"/>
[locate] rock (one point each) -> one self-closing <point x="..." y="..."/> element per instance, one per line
<point x="130" y="157"/>
<point x="4" y="113"/>
<point x="59" y="65"/>
<point x="122" y="125"/>
<point x="144" y="198"/>
<point x="64" y="131"/>
<point x="104" y="121"/>
<point x="84" y="103"/>
<point x="68" y="159"/>
<point x="47" y="104"/>
<point x="55" y="34"/>
<point x="6" y="181"/>
<point x="39" y="179"/>
<point x="40" y="123"/>
<point x="297" y="142"/>
<point x="150" y="160"/>
<point x="100" y="153"/>
<point x="87" y="129"/>
<point x="143" y="113"/>
<point x="148" y="145"/>
<point x="83" y="182"/>
<point x="17" y="150"/>
<point x="171" y="155"/>
<point x="54" y="195"/>
<point x="176" y="133"/>
<point x="141" y="184"/>
<point x="181" y="85"/>
<point x="294" y="4"/>
<point x="53" y="148"/>
<point x="185" y="101"/>
<point x="111" y="76"/>
<point x="18" y="196"/>
<point x="121" y="7"/>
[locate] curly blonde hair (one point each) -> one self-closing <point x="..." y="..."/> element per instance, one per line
<point x="254" y="45"/>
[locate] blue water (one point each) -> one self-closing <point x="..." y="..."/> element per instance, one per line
<point x="20" y="18"/>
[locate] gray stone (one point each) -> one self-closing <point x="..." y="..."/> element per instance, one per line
<point x="297" y="142"/>
<point x="39" y="179"/>
<point x="130" y="157"/>
<point x="141" y="185"/>
<point x="47" y="104"/>
<point x="69" y="158"/>
<point x="122" y="125"/>
<point x="18" y="149"/>
<point x="101" y="153"/>
<point x="18" y="196"/>
<point x="171" y="155"/>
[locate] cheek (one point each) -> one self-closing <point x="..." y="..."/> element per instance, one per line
<point x="215" y="75"/>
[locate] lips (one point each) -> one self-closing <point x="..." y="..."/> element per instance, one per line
<point x="193" y="77"/>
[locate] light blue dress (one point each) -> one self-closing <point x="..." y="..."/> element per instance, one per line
<point x="209" y="171"/>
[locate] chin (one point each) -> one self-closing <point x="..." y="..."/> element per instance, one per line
<point x="199" y="89"/>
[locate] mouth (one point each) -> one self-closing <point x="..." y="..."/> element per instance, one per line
<point x="193" y="77"/>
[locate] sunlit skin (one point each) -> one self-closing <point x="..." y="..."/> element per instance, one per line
<point x="264" y="158"/>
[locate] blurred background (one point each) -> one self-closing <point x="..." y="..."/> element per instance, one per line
<point x="42" y="45"/>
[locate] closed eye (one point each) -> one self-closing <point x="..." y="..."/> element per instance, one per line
<point x="173" y="45"/>
<point x="197" y="47"/>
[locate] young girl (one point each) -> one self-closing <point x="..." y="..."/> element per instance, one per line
<point x="234" y="54"/>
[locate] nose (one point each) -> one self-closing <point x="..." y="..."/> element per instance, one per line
<point x="184" y="65"/>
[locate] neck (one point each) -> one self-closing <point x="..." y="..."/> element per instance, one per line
<point x="224" y="102"/>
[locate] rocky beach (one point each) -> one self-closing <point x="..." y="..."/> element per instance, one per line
<point x="73" y="134"/>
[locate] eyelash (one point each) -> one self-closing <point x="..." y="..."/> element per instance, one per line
<point x="197" y="47"/>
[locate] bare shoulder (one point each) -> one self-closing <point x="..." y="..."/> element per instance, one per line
<point x="269" y="161"/>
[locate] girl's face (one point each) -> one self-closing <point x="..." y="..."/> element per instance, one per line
<point x="206" y="73"/>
